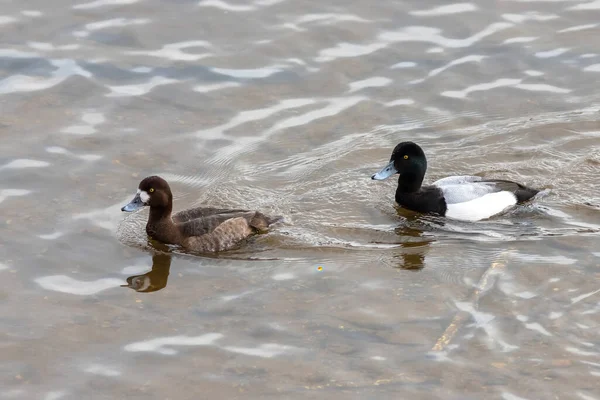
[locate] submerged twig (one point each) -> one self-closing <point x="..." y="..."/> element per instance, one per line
<point x="484" y="284"/>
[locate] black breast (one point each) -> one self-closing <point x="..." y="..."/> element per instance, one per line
<point x="428" y="199"/>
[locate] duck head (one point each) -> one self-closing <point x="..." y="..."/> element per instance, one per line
<point x="407" y="159"/>
<point x="152" y="191"/>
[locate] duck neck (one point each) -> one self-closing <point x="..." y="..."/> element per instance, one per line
<point x="160" y="213"/>
<point x="411" y="180"/>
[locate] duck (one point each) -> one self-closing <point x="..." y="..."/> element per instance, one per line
<point x="200" y="229"/>
<point x="463" y="197"/>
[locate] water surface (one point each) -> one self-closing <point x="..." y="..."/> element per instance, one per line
<point x="289" y="107"/>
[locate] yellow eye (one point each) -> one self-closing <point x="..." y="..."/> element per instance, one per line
<point x="151" y="190"/>
<point x="405" y="157"/>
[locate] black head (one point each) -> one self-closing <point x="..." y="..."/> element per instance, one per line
<point x="153" y="191"/>
<point x="407" y="158"/>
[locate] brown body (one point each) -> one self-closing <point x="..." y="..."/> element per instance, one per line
<point x="205" y="230"/>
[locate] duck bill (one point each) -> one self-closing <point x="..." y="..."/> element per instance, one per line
<point x="134" y="204"/>
<point x="385" y="172"/>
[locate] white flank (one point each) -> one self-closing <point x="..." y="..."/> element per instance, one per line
<point x="482" y="207"/>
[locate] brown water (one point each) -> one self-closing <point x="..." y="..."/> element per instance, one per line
<point x="289" y="107"/>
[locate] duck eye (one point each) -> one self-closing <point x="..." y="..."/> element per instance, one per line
<point x="405" y="157"/>
<point x="151" y="190"/>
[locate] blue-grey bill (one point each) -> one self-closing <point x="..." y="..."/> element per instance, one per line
<point x="386" y="172"/>
<point x="134" y="204"/>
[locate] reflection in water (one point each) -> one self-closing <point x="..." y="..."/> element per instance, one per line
<point x="154" y="279"/>
<point x="414" y="247"/>
<point x="413" y="255"/>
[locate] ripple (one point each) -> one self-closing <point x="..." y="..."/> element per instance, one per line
<point x="22" y="163"/>
<point x="50" y="47"/>
<point x="498" y="83"/>
<point x="531" y="72"/>
<point x="283" y="277"/>
<point x="583" y="296"/>
<point x="541" y="87"/>
<point x="141" y="88"/>
<point x="537" y="258"/>
<point x="91" y="119"/>
<point x="63" y="151"/>
<point x="463" y="60"/>
<point x="578" y="28"/>
<point x="534" y="326"/>
<point x="55" y="395"/>
<point x="5" y="19"/>
<point x="226" y="6"/>
<point x="12" y="53"/>
<point x="173" y="51"/>
<point x="552" y="53"/>
<point x="529" y="16"/>
<point x="252" y="115"/>
<point x="51" y="236"/>
<point x="102" y="370"/>
<point x="433" y="35"/>
<point x="329" y="18"/>
<point x="66" y="284"/>
<point x="21" y="83"/>
<point x="510" y="396"/>
<point x="445" y="10"/>
<point x="580" y="352"/>
<point x="594" y="5"/>
<point x="159" y="345"/>
<point x="263" y="72"/>
<point x="215" y="86"/>
<point x="102" y="3"/>
<point x="592" y="68"/>
<point x="377" y="81"/>
<point x="404" y="64"/>
<point x="399" y="102"/>
<point x="268" y="350"/>
<point x="343" y="50"/>
<point x="521" y="39"/>
<point x="106" y="218"/>
<point x="247" y="143"/>
<point x="6" y="193"/>
<point x="115" y="23"/>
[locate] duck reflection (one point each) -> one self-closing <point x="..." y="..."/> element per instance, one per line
<point x="153" y="280"/>
<point x="414" y="246"/>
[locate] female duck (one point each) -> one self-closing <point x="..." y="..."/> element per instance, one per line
<point x="201" y="229"/>
<point x="467" y="198"/>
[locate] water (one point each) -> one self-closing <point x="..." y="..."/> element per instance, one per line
<point x="289" y="107"/>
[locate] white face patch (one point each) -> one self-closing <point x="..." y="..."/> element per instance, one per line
<point x="144" y="196"/>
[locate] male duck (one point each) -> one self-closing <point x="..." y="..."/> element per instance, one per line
<point x="201" y="229"/>
<point x="467" y="198"/>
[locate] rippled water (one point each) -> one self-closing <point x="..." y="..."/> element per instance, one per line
<point x="289" y="107"/>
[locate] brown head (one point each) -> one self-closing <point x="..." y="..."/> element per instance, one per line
<point x="153" y="191"/>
